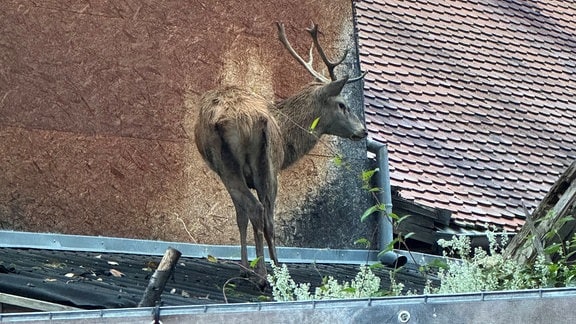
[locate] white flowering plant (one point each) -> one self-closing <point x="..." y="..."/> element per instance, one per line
<point x="490" y="270"/>
<point x="284" y="288"/>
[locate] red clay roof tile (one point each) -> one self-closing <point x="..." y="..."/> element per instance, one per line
<point x="476" y="100"/>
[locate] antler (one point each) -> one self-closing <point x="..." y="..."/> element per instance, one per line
<point x="308" y="64"/>
<point x="330" y="65"/>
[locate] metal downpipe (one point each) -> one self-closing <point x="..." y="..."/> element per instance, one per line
<point x="385" y="228"/>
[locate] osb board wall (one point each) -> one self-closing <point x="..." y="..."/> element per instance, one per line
<point x="97" y="109"/>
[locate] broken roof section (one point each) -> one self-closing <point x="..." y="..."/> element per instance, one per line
<point x="88" y="272"/>
<point x="475" y="99"/>
<point x="37" y="264"/>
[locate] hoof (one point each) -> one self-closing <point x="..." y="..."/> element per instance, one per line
<point x="264" y="285"/>
<point x="245" y="273"/>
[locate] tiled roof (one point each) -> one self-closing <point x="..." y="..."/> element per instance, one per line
<point x="475" y="99"/>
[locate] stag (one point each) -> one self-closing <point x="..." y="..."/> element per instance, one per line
<point x="247" y="140"/>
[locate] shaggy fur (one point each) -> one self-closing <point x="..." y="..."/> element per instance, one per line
<point x="246" y="140"/>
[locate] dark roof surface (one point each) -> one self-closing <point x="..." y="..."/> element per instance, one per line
<point x="85" y="279"/>
<point x="475" y="99"/>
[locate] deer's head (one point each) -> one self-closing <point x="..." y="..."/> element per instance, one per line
<point x="333" y="113"/>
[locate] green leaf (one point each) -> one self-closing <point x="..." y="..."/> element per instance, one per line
<point x="367" y="175"/>
<point x="569" y="255"/>
<point x="264" y="298"/>
<point x="366" y="183"/>
<point x="314" y="124"/>
<point x="371" y="210"/>
<point x="437" y="263"/>
<point x="553" y="267"/>
<point x="389" y="247"/>
<point x="212" y="259"/>
<point x="409" y="235"/>
<point x="564" y="220"/>
<point x="551" y="233"/>
<point x="337" y="160"/>
<point x="376" y="266"/>
<point x="363" y="241"/>
<point x="400" y="219"/>
<point x="254" y="262"/>
<point x="350" y="290"/>
<point x="554" y="248"/>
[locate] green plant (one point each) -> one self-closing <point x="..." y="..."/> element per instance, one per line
<point x="381" y="207"/>
<point x="229" y="287"/>
<point x="481" y="270"/>
<point x="562" y="271"/>
<point x="284" y="288"/>
<point x="365" y="284"/>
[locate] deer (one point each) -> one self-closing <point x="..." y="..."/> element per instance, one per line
<point x="247" y="139"/>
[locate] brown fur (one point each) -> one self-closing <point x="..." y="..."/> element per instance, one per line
<point x="295" y="115"/>
<point x="247" y="140"/>
<point x="242" y="114"/>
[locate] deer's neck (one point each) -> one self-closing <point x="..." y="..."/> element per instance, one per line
<point x="295" y="116"/>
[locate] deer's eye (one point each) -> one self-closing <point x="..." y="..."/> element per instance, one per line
<point x="342" y="106"/>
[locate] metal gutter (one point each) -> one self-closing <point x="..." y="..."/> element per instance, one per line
<point x="64" y="242"/>
<point x="104" y="244"/>
<point x="385" y="229"/>
<point x="554" y="305"/>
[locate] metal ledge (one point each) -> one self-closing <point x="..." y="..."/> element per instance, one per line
<point x="64" y="242"/>
<point x="103" y="244"/>
<point x="527" y="306"/>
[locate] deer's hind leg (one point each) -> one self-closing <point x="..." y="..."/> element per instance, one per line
<point x="246" y="205"/>
<point x="237" y="177"/>
<point x="267" y="187"/>
<point x="261" y="178"/>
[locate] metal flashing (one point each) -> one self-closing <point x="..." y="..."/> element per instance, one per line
<point x="104" y="244"/>
<point x="66" y="242"/>
<point x="527" y="306"/>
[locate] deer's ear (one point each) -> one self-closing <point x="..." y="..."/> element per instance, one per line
<point x="333" y="88"/>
